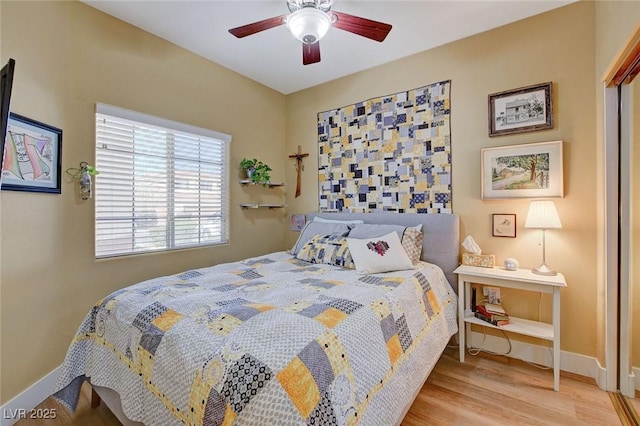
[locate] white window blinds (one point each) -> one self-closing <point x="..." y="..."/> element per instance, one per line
<point x="162" y="185"/>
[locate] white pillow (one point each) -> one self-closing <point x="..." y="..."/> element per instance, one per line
<point x="380" y="254"/>
<point x="348" y="222"/>
<point x="411" y="236"/>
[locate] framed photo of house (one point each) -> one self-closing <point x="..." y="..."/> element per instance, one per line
<point x="521" y="110"/>
<point x="503" y="225"/>
<point x="522" y="171"/>
<point x="32" y="156"/>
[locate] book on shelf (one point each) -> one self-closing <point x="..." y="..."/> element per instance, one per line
<point x="492" y="321"/>
<point x="484" y="314"/>
<point x="494" y="309"/>
<point x="483" y="310"/>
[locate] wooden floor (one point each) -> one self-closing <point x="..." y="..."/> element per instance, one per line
<point x="495" y="390"/>
<point x="485" y="390"/>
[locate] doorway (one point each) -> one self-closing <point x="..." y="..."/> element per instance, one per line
<point x="622" y="158"/>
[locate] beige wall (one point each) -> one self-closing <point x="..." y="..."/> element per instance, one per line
<point x="68" y="57"/>
<point x="616" y="22"/>
<point x="556" y="46"/>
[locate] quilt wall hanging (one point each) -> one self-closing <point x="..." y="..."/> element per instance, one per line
<point x="391" y="153"/>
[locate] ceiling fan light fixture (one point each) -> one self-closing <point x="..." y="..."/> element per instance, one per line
<point x="309" y="24"/>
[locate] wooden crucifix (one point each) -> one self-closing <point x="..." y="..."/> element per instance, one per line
<point x="299" y="168"/>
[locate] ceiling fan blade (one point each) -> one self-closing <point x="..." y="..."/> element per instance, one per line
<point x="310" y="53"/>
<point x="256" y="27"/>
<point x="361" y="26"/>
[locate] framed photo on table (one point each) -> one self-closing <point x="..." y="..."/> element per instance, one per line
<point x="503" y="225"/>
<point x="32" y="156"/>
<point x="525" y="109"/>
<point x="522" y="171"/>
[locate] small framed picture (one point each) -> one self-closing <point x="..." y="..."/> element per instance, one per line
<point x="504" y="225"/>
<point x="525" y="109"/>
<point x="32" y="156"/>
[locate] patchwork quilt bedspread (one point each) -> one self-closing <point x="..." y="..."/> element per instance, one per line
<point x="268" y="340"/>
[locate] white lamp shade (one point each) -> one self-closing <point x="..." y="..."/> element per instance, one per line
<point x="543" y="215"/>
<point x="309" y="24"/>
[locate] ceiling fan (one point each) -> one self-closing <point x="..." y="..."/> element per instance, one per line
<point x="310" y="20"/>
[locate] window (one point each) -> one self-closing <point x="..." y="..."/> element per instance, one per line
<point x="162" y="185"/>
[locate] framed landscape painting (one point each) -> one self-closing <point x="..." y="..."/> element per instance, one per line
<point x="521" y="110"/>
<point x="522" y="171"/>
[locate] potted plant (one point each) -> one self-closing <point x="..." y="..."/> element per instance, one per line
<point x="83" y="175"/>
<point x="256" y="170"/>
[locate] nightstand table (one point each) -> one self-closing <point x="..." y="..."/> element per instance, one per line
<point x="522" y="279"/>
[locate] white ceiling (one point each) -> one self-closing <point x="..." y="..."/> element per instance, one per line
<point x="274" y="58"/>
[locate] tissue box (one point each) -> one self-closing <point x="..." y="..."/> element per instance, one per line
<point x="484" y="260"/>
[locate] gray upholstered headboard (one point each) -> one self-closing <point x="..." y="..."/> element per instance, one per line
<point x="441" y="241"/>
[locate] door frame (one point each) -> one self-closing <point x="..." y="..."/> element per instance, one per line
<point x="617" y="213"/>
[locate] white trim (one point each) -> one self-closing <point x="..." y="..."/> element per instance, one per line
<point x="636" y="375"/>
<point x="541" y="355"/>
<point x="611" y="234"/>
<point x="626" y="241"/>
<point x="630" y="384"/>
<point x="160" y="122"/>
<point x="18" y="407"/>
<point x="601" y="376"/>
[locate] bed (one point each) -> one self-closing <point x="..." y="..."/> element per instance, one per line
<point x="273" y="339"/>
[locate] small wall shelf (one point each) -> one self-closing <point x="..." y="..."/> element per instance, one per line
<point x="270" y="184"/>
<point x="246" y="182"/>
<point x="261" y="206"/>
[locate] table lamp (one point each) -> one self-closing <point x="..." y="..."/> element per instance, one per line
<point x="543" y="215"/>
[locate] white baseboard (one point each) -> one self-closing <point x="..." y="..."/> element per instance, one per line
<point x="541" y="355"/>
<point x="634" y="379"/>
<point x="629" y="383"/>
<point x="601" y="377"/>
<point x="20" y="406"/>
